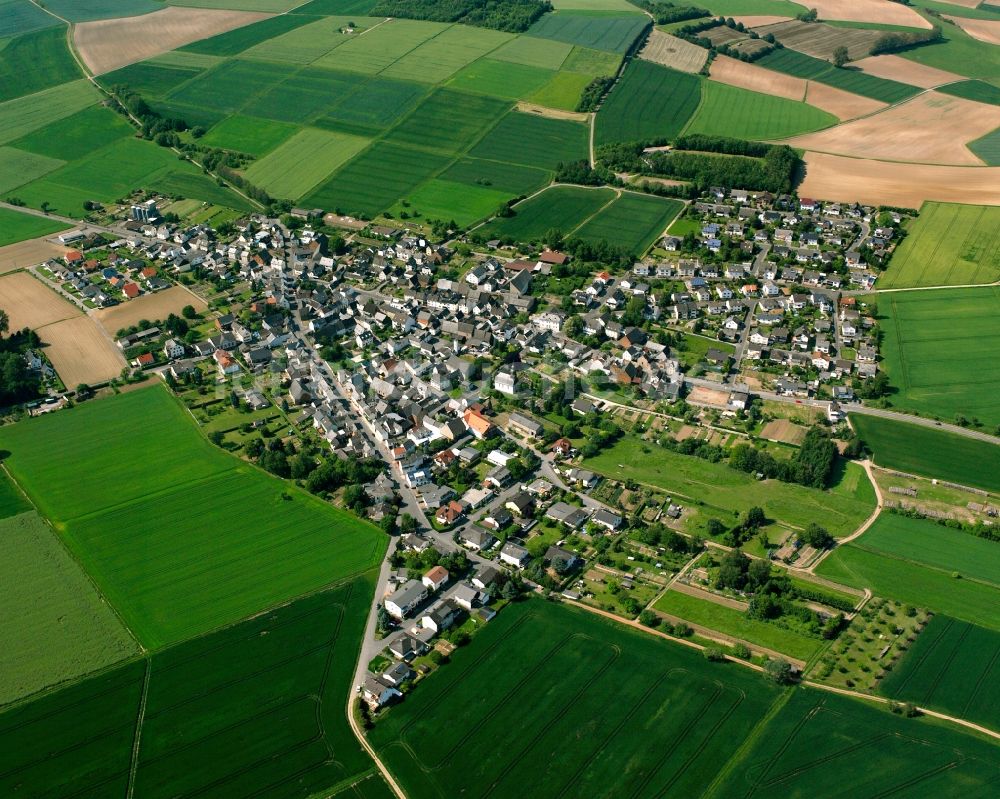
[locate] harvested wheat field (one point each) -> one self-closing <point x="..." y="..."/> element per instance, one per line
<point x="931" y="128"/>
<point x="986" y="30"/>
<point x="30" y="303"/>
<point x="843" y="105"/>
<point x="883" y="12"/>
<point x="154" y="307"/>
<point x="662" y="48"/>
<point x="108" y="44"/>
<point x="29" y="253"/>
<point x="821" y="41"/>
<point x="759" y="20"/>
<point x="734" y="72"/>
<point x="81" y="352"/>
<point x="835" y="177"/>
<point x="894" y="67"/>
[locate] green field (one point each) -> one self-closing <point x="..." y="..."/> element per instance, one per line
<point x="302" y="162"/>
<point x="987" y="148"/>
<point x="202" y="188"/>
<point x="19" y="166"/>
<point x="633" y="221"/>
<point x="35" y="61"/>
<point x="16" y="226"/>
<point x="168" y="540"/>
<point x="562" y="207"/>
<point x="532" y="140"/>
<point x="977" y="90"/>
<point x="729" y="111"/>
<point x="953" y="667"/>
<point x="792" y="62"/>
<point x="375" y="106"/>
<point x="223" y="89"/>
<point x="613" y="32"/>
<point x="938" y="350"/>
<point x="929" y="452"/>
<point x="26" y="114"/>
<point x="502" y="79"/>
<point x="54" y="625"/>
<point x="593" y="63"/>
<point x="248" y="134"/>
<point x="78" y="135"/>
<point x="255" y="707"/>
<point x="449" y="201"/>
<point x="735" y="623"/>
<point x="510" y="178"/>
<point x="947" y="244"/>
<point x="443" y="740"/>
<point x="308" y="43"/>
<point x="687" y="478"/>
<point x="449" y="121"/>
<point x="442" y="56"/>
<point x="381" y="47"/>
<point x="22" y="16"/>
<point x="236" y="41"/>
<point x="533" y="52"/>
<point x="649" y="102"/>
<point x="959" y="53"/>
<point x="562" y="91"/>
<point x="307" y="95"/>
<point x="88" y="10"/>
<point x="149" y="79"/>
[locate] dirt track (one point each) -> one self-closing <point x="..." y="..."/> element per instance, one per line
<point x="109" y="44"/>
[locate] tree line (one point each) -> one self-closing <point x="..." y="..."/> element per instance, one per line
<point x="512" y="16"/>
<point x="664" y="13"/>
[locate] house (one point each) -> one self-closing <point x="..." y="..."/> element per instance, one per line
<point x="435" y="578"/>
<point x="397" y="674"/>
<point x="406" y="647"/>
<point x="405" y="599"/>
<point x="173" y="349"/>
<point x="582" y="406"/>
<point x="515" y="555"/>
<point x="378" y="694"/>
<point x="524" y="426"/>
<point x="477" y="424"/>
<point x="145" y="360"/>
<point x="498" y="518"/>
<point x="477" y="539"/>
<point x="570" y="515"/>
<point x="448" y="514"/>
<point x="226" y="363"/>
<point x="465" y="595"/>
<point x="521" y="503"/>
<point x="440" y="617"/>
<point x="485" y="577"/>
<point x="130" y="290"/>
<point x="554" y="553"/>
<point x="563" y="447"/>
<point x="607" y="519"/>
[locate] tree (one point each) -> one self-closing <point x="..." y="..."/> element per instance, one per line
<point x="733" y="570"/>
<point x="301" y="465"/>
<point x="755" y="517"/>
<point x="383" y="622"/>
<point x="355" y="497"/>
<point x="714" y="528"/>
<point x="4" y="322"/>
<point x="779" y="671"/>
<point x="407" y="524"/>
<point x="840" y="56"/>
<point x="216" y="437"/>
<point x="83" y="391"/>
<point x="758" y="573"/>
<point x="714" y="654"/>
<point x="817" y="537"/>
<point x="649" y="619"/>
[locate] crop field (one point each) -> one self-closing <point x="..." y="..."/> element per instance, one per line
<point x="257" y="705"/>
<point x="87" y="10"/>
<point x="305" y="95"/>
<point x="449" y="121"/>
<point x="959" y="53"/>
<point x="149" y="306"/>
<point x="167" y="541"/>
<point x="35" y="61"/>
<point x="76" y="136"/>
<point x="947" y="244"/>
<point x="977" y="90"/>
<point x="669" y="51"/>
<point x="248" y="134"/>
<point x="442" y="740"/>
<point x="987" y="148"/>
<point x="303" y="161"/>
<point x="55" y="626"/>
<point x="595" y="63"/>
<point x="23" y="16"/>
<point x="442" y="56"/>
<point x="510" y="178"/>
<point x="937" y="351"/>
<point x="649" y="102"/>
<point x="376" y="105"/>
<point x="533" y="52"/>
<point x="19" y="166"/>
<point x="12" y="501"/>
<point x="26" y="114"/>
<point x="562" y="91"/>
<point x="16" y="226"/>
<point x="151" y="79"/>
<point x="533" y="140"/>
<point x="564" y="208"/>
<point x="731" y="111"/>
<point x="953" y="667"/>
<point x="820" y="41"/>
<point x="381" y="47"/>
<point x="224" y="88"/>
<point x="502" y="79"/>
<point x="930" y="452"/>
<point x="308" y="43"/>
<point x="727" y="491"/>
<point x="871" y="752"/>
<point x="633" y="221"/>
<point x="236" y="41"/>
<point x="30" y="303"/>
<point x="376" y="179"/>
<point x="803" y="66"/>
<point x="735" y="623"/>
<point x="612" y="32"/>
<point x="449" y="201"/>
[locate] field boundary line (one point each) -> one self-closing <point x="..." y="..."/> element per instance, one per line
<point x="136" y="742"/>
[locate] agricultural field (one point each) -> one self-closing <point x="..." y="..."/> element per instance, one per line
<point x="686" y="711"/>
<point x="76" y="136"/>
<point x="378" y="104"/>
<point x="959" y="53"/>
<point x="937" y="351"/>
<point x="139" y="527"/>
<point x="603" y="31"/>
<point x="451" y="202"/>
<point x="726" y="492"/>
<point x="16" y="226"/>
<point x="236" y="41"/>
<point x="947" y="244"/>
<point x="248" y="134"/>
<point x="562" y="92"/>
<point x="55" y="626"/>
<point x="977" y="90"/>
<point x="308" y="43"/>
<point x="448" y="121"/>
<point x="819" y="40"/>
<point x="27" y="114"/>
<point x="633" y="221"/>
<point x="669" y="51"/>
<point x="18" y="166"/>
<point x="532" y="140"/>
<point x="987" y="148"/>
<point x="509" y="178"/>
<point x="730" y="111"/>
<point x="88" y="10"/>
<point x="801" y="65"/>
<point x="532" y="52"/>
<point x="35" y="61"/>
<point x="303" y="161"/>
<point x="446" y="53"/>
<point x="953" y="667"/>
<point x="649" y="102"/>
<point x="929" y="452"/>
<point x="150" y="307"/>
<point x="12" y="501"/>
<point x="502" y="79"/>
<point x="564" y="208"/>
<point x="22" y="16"/>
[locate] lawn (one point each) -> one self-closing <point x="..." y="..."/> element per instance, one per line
<point x="259" y="704"/>
<point x="168" y="540"/>
<point x="509" y="178"/>
<point x="792" y="62"/>
<point x="915" y="584"/>
<point x="730" y="111"/>
<point x="35" y="61"/>
<point x="953" y="667"/>
<point x="449" y="201"/>
<point x="649" y="102"/>
<point x="502" y="79"/>
<point x="449" y="121"/>
<point x="533" y="140"/>
<point x="938" y="351"/>
<point x="947" y="244"/>
<point x="78" y="135"/>
<point x="54" y="625"/>
<point x="26" y="114"/>
<point x="633" y="221"/>
<point x="442" y="741"/>
<point x="732" y="622"/>
<point x="302" y="162"/>
<point x="248" y="134"/>
<point x="16" y="226"/>
<point x="564" y="208"/>
<point x="929" y="452"/>
<point x="693" y="480"/>
<point x="613" y="32"/>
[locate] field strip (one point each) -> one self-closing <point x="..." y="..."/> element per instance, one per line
<point x="826" y="758"/>
<point x="974" y="694"/>
<point x="618" y="193"/>
<point x="134" y="762"/>
<point x="922" y="565"/>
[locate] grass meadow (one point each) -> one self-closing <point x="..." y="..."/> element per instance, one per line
<point x="929" y="452"/>
<point x="170" y="541"/>
<point x="562" y="207"/>
<point x="947" y="244"/>
<point x="16" y="226"/>
<point x="450" y="201"/>
<point x="938" y="351"/>
<point x="953" y="667"/>
<point x="730" y="111"/>
<point x="633" y="221"/>
<point x="54" y="625"/>
<point x="801" y="65"/>
<point x="562" y="91"/>
<point x="649" y="102"/>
